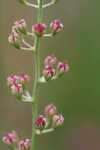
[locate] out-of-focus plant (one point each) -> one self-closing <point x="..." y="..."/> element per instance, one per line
<point x="17" y="84"/>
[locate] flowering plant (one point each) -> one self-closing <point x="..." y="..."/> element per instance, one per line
<point x="17" y="84"/>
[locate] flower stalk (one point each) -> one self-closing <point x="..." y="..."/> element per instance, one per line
<point x="37" y="76"/>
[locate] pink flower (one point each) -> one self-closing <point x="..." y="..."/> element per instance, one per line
<point x="21" y="25"/>
<point x="50" y="60"/>
<point x="48" y="72"/>
<point x="16" y="89"/>
<point x="62" y="67"/>
<point x="25" y="144"/>
<point x="58" y="120"/>
<point x="10" y="138"/>
<point x="50" y="110"/>
<point x="56" y="26"/>
<point x="39" y="29"/>
<point x="41" y="122"/>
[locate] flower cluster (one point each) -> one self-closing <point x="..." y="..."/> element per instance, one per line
<point x="20" y="28"/>
<point x="50" y="72"/>
<point x="13" y="141"/>
<point x="50" y="119"/>
<point x="17" y="84"/>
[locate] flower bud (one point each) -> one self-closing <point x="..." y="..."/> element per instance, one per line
<point x="58" y="120"/>
<point x="50" y="60"/>
<point x="39" y="29"/>
<point x="23" y="78"/>
<point x="41" y="122"/>
<point x="62" y="67"/>
<point x="14" y="39"/>
<point x="50" y="110"/>
<point x="21" y="26"/>
<point x="56" y="26"/>
<point x="17" y="89"/>
<point x="10" y="80"/>
<point x="14" y="29"/>
<point x="10" y="138"/>
<point x="22" y="1"/>
<point x="48" y="72"/>
<point x="25" y="144"/>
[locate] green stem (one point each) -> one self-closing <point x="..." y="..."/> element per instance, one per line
<point x="37" y="76"/>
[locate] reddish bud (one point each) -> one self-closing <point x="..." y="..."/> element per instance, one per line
<point x="62" y="67"/>
<point x="58" y="120"/>
<point x="10" y="138"/>
<point x="50" y="60"/>
<point x="50" y="110"/>
<point x="14" y="29"/>
<point x="21" y="26"/>
<point x="56" y="26"/>
<point x="17" y="89"/>
<point x="25" y="144"/>
<point x="41" y="122"/>
<point x="39" y="29"/>
<point x="48" y="72"/>
<point x="14" y="39"/>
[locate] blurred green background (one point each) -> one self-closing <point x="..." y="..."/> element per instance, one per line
<point x="76" y="94"/>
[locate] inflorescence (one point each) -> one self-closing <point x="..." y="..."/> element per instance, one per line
<point x="52" y="69"/>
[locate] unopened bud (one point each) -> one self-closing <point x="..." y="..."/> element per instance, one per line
<point x="25" y="144"/>
<point x="48" y="72"/>
<point x="16" y="89"/>
<point x="56" y="26"/>
<point x="14" y="39"/>
<point x="41" y="122"/>
<point x="10" y="138"/>
<point x="62" y="67"/>
<point x="21" y="26"/>
<point x="50" y="60"/>
<point x="58" y="120"/>
<point x="50" y="110"/>
<point x="39" y="29"/>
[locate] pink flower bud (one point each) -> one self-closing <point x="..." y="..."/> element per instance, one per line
<point x="39" y="29"/>
<point x="56" y="26"/>
<point x="24" y="78"/>
<point x="17" y="89"/>
<point x="14" y="39"/>
<point x="14" y="29"/>
<point x="48" y="72"/>
<point x="58" y="120"/>
<point x="41" y="122"/>
<point x="10" y="80"/>
<point x="25" y="144"/>
<point x="50" y="110"/>
<point x="50" y="60"/>
<point x="10" y="138"/>
<point x="21" y="26"/>
<point x="62" y="67"/>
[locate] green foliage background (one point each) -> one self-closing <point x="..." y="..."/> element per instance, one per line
<point x="76" y="94"/>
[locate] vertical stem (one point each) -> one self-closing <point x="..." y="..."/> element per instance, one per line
<point x="37" y="75"/>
